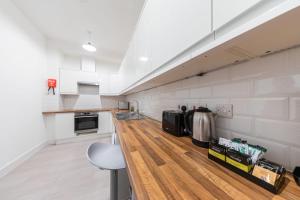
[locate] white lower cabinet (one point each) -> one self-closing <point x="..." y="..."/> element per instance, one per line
<point x="105" y="123"/>
<point x="60" y="127"/>
<point x="64" y="126"/>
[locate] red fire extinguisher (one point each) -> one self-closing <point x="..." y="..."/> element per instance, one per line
<point x="51" y="85"/>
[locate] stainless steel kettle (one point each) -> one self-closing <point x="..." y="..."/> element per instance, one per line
<point x="201" y="124"/>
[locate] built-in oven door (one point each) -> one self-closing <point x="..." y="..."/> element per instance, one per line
<point x="86" y="124"/>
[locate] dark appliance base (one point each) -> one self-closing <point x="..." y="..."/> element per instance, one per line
<point x="200" y="143"/>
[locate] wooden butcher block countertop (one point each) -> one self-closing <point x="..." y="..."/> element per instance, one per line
<point x="161" y="166"/>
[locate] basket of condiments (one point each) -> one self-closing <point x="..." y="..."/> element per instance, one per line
<point x="247" y="160"/>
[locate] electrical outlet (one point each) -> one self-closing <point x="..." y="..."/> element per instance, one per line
<point x="202" y="105"/>
<point x="224" y="110"/>
<point x="192" y="106"/>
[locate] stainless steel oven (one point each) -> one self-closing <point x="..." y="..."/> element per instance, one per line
<point x="86" y="122"/>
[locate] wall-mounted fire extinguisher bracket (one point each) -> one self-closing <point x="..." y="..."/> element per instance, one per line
<point x="51" y="85"/>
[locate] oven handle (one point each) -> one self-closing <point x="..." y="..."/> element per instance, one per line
<point x="86" y="117"/>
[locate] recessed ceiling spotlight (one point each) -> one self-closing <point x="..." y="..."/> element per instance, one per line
<point x="89" y="46"/>
<point x="144" y="58"/>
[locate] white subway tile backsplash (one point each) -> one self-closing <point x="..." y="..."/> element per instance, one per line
<point x="283" y="85"/>
<point x="238" y="89"/>
<point x="237" y="123"/>
<point x="272" y="108"/>
<point x="182" y="94"/>
<point x="212" y="103"/>
<point x="204" y="92"/>
<point x="191" y="103"/>
<point x="295" y="109"/>
<point x="295" y="157"/>
<point x="224" y="133"/>
<point x="281" y="131"/>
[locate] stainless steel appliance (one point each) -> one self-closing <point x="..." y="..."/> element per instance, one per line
<point x="201" y="124"/>
<point x="86" y="122"/>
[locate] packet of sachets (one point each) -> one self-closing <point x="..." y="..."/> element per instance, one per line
<point x="256" y="152"/>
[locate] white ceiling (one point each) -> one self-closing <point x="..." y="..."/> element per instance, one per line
<point x="65" y="24"/>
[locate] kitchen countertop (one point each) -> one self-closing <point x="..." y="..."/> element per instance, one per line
<point x="161" y="166"/>
<point x="76" y="110"/>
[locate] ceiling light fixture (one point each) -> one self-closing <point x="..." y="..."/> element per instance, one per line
<point x="89" y="46"/>
<point x="143" y="58"/>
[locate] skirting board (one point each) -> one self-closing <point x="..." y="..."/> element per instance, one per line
<point x="21" y="159"/>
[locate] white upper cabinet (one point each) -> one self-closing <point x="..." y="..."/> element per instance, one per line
<point x="110" y="84"/>
<point x="174" y="26"/>
<point x="91" y="77"/>
<point x="165" y="29"/>
<point x="104" y="86"/>
<point x="170" y="32"/>
<point x="224" y="11"/>
<point x="68" y="81"/>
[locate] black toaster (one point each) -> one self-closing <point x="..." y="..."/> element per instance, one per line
<point x="173" y="122"/>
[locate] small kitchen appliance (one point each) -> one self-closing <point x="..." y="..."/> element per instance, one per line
<point x="173" y="122"/>
<point x="200" y="123"/>
<point x="296" y="174"/>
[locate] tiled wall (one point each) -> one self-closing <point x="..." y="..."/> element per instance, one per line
<point x="89" y="101"/>
<point x="265" y="93"/>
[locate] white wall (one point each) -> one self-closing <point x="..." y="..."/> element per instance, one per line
<point x="71" y="62"/>
<point x="265" y="93"/>
<point x="23" y="66"/>
<point x="54" y="63"/>
<point x="90" y="101"/>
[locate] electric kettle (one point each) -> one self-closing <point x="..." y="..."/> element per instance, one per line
<point x="200" y="123"/>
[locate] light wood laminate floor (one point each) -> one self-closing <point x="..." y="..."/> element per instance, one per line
<point x="58" y="172"/>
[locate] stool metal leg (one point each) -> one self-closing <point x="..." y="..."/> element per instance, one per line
<point x="113" y="184"/>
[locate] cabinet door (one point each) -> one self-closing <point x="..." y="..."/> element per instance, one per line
<point x="114" y="83"/>
<point x="64" y="125"/>
<point x="87" y="77"/>
<point x="175" y="26"/>
<point x="142" y="53"/>
<point x="104" y="86"/>
<point x="224" y="11"/>
<point x="68" y="81"/>
<point x="105" y="123"/>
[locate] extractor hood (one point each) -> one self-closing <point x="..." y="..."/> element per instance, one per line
<point x="88" y="83"/>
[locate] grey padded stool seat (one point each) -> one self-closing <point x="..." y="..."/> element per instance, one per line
<point x="107" y="157"/>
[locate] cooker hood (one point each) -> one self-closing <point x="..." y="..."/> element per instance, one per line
<point x="86" y="83"/>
